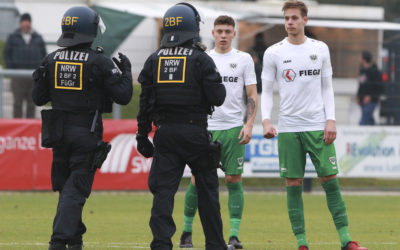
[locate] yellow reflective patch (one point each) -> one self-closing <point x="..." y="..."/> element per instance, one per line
<point x="68" y="75"/>
<point x="171" y="69"/>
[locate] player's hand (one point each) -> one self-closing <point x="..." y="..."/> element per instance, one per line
<point x="330" y="132"/>
<point x="246" y="133"/>
<point x="268" y="130"/>
<point x="123" y="64"/>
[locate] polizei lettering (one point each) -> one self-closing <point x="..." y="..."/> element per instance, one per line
<point x="71" y="55"/>
<point x="309" y="72"/>
<point x="176" y="51"/>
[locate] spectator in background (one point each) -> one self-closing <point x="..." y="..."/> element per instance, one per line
<point x="370" y="88"/>
<point x="257" y="53"/>
<point x="24" y="49"/>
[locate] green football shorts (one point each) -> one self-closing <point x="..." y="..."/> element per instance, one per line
<point x="293" y="147"/>
<point x="232" y="156"/>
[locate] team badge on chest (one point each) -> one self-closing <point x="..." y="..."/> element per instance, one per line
<point x="314" y="58"/>
<point x="233" y="66"/>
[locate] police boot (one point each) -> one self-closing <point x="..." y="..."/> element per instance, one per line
<point x="75" y="247"/>
<point x="57" y="246"/>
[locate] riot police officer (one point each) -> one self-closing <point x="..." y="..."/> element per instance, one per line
<point x="80" y="83"/>
<point x="180" y="83"/>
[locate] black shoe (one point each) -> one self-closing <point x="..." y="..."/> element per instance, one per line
<point x="234" y="241"/>
<point x="57" y="246"/>
<point x="75" y="247"/>
<point x="186" y="240"/>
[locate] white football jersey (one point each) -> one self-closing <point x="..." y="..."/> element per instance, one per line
<point x="237" y="71"/>
<point x="298" y="70"/>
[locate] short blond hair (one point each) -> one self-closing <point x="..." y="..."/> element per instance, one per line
<point x="294" y="4"/>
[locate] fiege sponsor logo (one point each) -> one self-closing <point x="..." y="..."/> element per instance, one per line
<point x="124" y="158"/>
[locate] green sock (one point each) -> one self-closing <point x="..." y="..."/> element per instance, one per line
<point x="235" y="206"/>
<point x="190" y="207"/>
<point x="296" y="214"/>
<point x="337" y="208"/>
<point x="301" y="240"/>
<point x="344" y="235"/>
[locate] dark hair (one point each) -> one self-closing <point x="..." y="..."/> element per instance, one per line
<point x="367" y="56"/>
<point x="224" y="20"/>
<point x="294" y="4"/>
<point x="25" y="17"/>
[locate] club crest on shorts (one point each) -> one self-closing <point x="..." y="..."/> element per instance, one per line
<point x="233" y="66"/>
<point x="313" y="58"/>
<point x="240" y="161"/>
<point x="332" y="160"/>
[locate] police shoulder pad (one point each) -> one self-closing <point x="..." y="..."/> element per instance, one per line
<point x="99" y="49"/>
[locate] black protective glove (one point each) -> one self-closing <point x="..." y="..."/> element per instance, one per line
<point x="39" y="73"/>
<point x="123" y="64"/>
<point x="144" y="145"/>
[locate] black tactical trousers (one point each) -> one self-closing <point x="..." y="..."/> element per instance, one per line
<point x="175" y="146"/>
<point x="72" y="177"/>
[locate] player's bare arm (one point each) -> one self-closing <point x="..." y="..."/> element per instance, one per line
<point x="330" y="131"/>
<point x="252" y="104"/>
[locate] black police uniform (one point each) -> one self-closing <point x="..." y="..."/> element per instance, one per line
<point x="77" y="88"/>
<point x="182" y="100"/>
<point x="80" y="83"/>
<point x="178" y="86"/>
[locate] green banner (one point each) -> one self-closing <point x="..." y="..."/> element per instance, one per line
<point x="118" y="26"/>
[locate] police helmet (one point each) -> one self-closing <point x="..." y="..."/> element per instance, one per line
<point x="79" y="25"/>
<point x="180" y="24"/>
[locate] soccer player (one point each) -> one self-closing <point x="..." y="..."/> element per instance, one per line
<point x="302" y="68"/>
<point x="226" y="125"/>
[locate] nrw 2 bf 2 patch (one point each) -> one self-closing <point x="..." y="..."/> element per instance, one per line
<point x="171" y="69"/>
<point x="68" y="75"/>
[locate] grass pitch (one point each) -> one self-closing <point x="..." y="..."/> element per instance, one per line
<point x="120" y="221"/>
